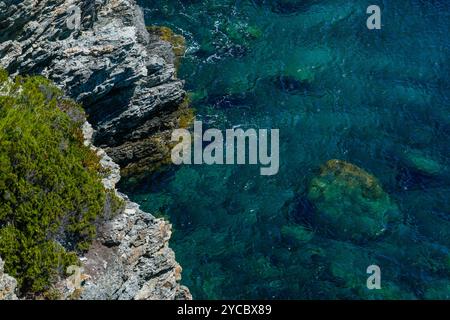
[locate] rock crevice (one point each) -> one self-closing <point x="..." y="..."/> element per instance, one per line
<point x="122" y="75"/>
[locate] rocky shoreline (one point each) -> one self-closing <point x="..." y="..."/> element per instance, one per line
<point x="131" y="258"/>
<point x="126" y="80"/>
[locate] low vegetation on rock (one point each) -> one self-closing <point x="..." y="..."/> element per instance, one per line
<point x="50" y="189"/>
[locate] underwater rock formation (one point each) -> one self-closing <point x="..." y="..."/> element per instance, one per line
<point x="292" y="85"/>
<point x="350" y="203"/>
<point x="296" y="234"/>
<point x="418" y="161"/>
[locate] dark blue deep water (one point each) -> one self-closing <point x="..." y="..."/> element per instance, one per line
<point x="336" y="90"/>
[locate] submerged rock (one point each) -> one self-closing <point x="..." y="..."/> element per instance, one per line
<point x="350" y="203"/>
<point x="241" y="33"/>
<point x="295" y="77"/>
<point x="418" y="161"/>
<point x="292" y="85"/>
<point x="296" y="234"/>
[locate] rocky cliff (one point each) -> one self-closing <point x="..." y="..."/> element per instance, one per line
<point x="101" y="55"/>
<point x="131" y="258"/>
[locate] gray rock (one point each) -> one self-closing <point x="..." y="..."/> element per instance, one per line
<point x="123" y="77"/>
<point x="7" y="285"/>
<point x="120" y="73"/>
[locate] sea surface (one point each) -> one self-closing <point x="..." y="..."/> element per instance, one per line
<point x="378" y="99"/>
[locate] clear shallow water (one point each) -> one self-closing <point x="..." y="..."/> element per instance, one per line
<point x="336" y="91"/>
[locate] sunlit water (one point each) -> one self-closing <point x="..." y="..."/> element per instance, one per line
<point x="366" y="97"/>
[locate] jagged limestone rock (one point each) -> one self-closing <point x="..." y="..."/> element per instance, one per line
<point x="132" y="260"/>
<point x="177" y="41"/>
<point x="350" y="203"/>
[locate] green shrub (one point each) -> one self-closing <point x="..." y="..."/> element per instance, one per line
<point x="50" y="191"/>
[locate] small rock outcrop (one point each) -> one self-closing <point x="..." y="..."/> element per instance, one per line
<point x="350" y="203"/>
<point x="7" y="285"/>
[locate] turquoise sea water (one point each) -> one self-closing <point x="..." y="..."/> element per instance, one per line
<point x="378" y="99"/>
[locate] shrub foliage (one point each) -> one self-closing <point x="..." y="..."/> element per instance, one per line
<point x="50" y="190"/>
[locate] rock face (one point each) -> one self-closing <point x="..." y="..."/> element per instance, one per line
<point x="7" y="285"/>
<point x="101" y="55"/>
<point x="350" y="203"/>
<point x="131" y="258"/>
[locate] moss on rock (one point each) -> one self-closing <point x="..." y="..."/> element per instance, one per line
<point x="160" y="144"/>
<point x="177" y="41"/>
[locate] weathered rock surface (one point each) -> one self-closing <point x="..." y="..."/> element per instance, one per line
<point x="131" y="258"/>
<point x="7" y="285"/>
<point x="125" y="78"/>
